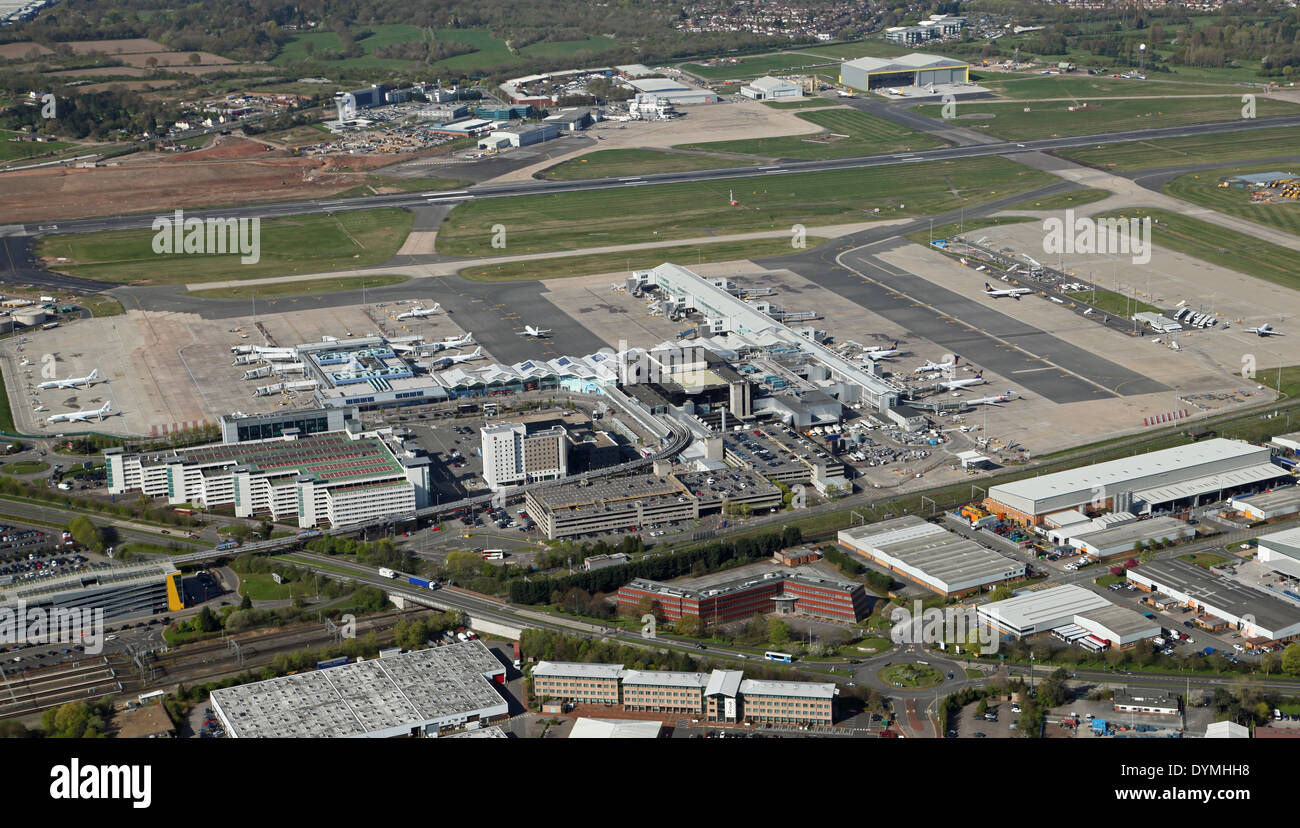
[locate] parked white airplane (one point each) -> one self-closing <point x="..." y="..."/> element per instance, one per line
<point x="953" y="385"/>
<point x="937" y="366"/>
<point x="420" y="311"/>
<point x="72" y="383"/>
<point x="456" y="359"/>
<point x="989" y="290"/>
<point x="998" y="400"/>
<point x="878" y="352"/>
<point x="1265" y="330"/>
<point x="82" y="416"/>
<point x="529" y="330"/>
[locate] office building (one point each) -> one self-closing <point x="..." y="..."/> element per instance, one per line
<point x="735" y="600"/>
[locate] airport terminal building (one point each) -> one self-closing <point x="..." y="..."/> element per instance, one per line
<point x="1173" y="479"/>
<point x="330" y="478"/>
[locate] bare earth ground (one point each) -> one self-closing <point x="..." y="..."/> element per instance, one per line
<point x="15" y="51"/>
<point x="704" y="122"/>
<point x="235" y="171"/>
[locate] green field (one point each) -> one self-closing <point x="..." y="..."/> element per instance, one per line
<point x="260" y="587"/>
<point x="1205" y="560"/>
<point x="1061" y="201"/>
<point x="325" y="42"/>
<point x="1115" y="304"/>
<point x="310" y="287"/>
<point x="11" y="150"/>
<point x="571" y="221"/>
<point x="1198" y="149"/>
<point x="1200" y="188"/>
<point x="24" y="467"/>
<point x="913" y="676"/>
<point x="6" y="413"/>
<point x="565" y="266"/>
<point x="1053" y="120"/>
<point x="301" y="244"/>
<point x="627" y="162"/>
<point x="1092" y="86"/>
<point x="1221" y="246"/>
<point x="102" y="305"/>
<point x="866" y="135"/>
<point x="753" y="67"/>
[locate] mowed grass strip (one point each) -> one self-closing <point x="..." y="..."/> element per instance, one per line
<point x="801" y="103"/>
<point x="864" y="135"/>
<point x="662" y="212"/>
<point x="1092" y="86"/>
<point x="1196" y="149"/>
<point x="1202" y="188"/>
<point x="299" y="244"/>
<point x="1115" y="304"/>
<point x="944" y="231"/>
<point x="11" y="150"/>
<point x="308" y="287"/>
<point x="627" y="162"/>
<point x="1054" y="120"/>
<point x="688" y="254"/>
<point x="1061" y="201"/>
<point x="1221" y="246"/>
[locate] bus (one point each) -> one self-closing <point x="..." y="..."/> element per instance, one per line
<point x="493" y="555"/>
<point x="181" y="511"/>
<point x="784" y="658"/>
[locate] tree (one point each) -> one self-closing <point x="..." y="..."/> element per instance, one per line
<point x="194" y="59"/>
<point x="689" y="625"/>
<point x="245" y="603"/>
<point x="778" y="632"/>
<point x="206" y="621"/>
<point x="85" y="533"/>
<point x="1001" y="592"/>
<point x="151" y="62"/>
<point x="1291" y="659"/>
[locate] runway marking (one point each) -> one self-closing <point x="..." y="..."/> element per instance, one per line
<point x="1032" y="370"/>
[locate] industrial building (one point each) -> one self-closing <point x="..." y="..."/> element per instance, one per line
<point x="676" y="93"/>
<point x="930" y="555"/>
<point x="773" y="592"/>
<point x="573" y="119"/>
<point x="916" y="69"/>
<point x="588" y="728"/>
<point x="334" y="478"/>
<point x="420" y="693"/>
<point x="723" y="696"/>
<point x="514" y="456"/>
<point x="772" y="89"/>
<point x="1274" y="505"/>
<point x="1122" y="539"/>
<point x="1255" y="614"/>
<point x="1150" y="700"/>
<point x="1281" y="551"/>
<point x="1174" y="479"/>
<point x="1042" y="610"/>
<point x="127" y="591"/>
<point x="523" y="136"/>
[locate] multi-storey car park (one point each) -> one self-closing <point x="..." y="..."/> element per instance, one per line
<point x="930" y="555"/>
<point x="723" y="696"/>
<point x="332" y="478"/>
<point x="421" y="693"/>
<point x="125" y="591"/>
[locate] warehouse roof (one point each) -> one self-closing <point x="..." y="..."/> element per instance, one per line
<point x="929" y="549"/>
<point x="1211" y="483"/>
<point x="380" y="696"/>
<point x="1286" y="542"/>
<point x="1139" y="530"/>
<point x="906" y="63"/>
<point x="1283" y="498"/>
<point x="1120" y="471"/>
<point x="1124" y="623"/>
<point x="1033" y="608"/>
<point x="1219" y="594"/>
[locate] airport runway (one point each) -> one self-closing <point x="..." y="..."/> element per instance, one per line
<point x="535" y="187"/>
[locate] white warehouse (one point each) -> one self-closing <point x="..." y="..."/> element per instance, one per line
<point x="1177" y="477"/>
<point x="930" y="555"/>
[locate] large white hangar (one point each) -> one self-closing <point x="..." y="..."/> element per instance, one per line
<point x="930" y="555"/>
<point x="1281" y="551"/>
<point x="916" y="69"/>
<point x="1171" y="478"/>
<point x="1068" y="607"/>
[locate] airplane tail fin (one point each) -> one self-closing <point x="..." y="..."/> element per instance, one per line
<point x="436" y="306"/>
<point x="979" y="374"/>
<point x="94" y="374"/>
<point x="988" y="288"/>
